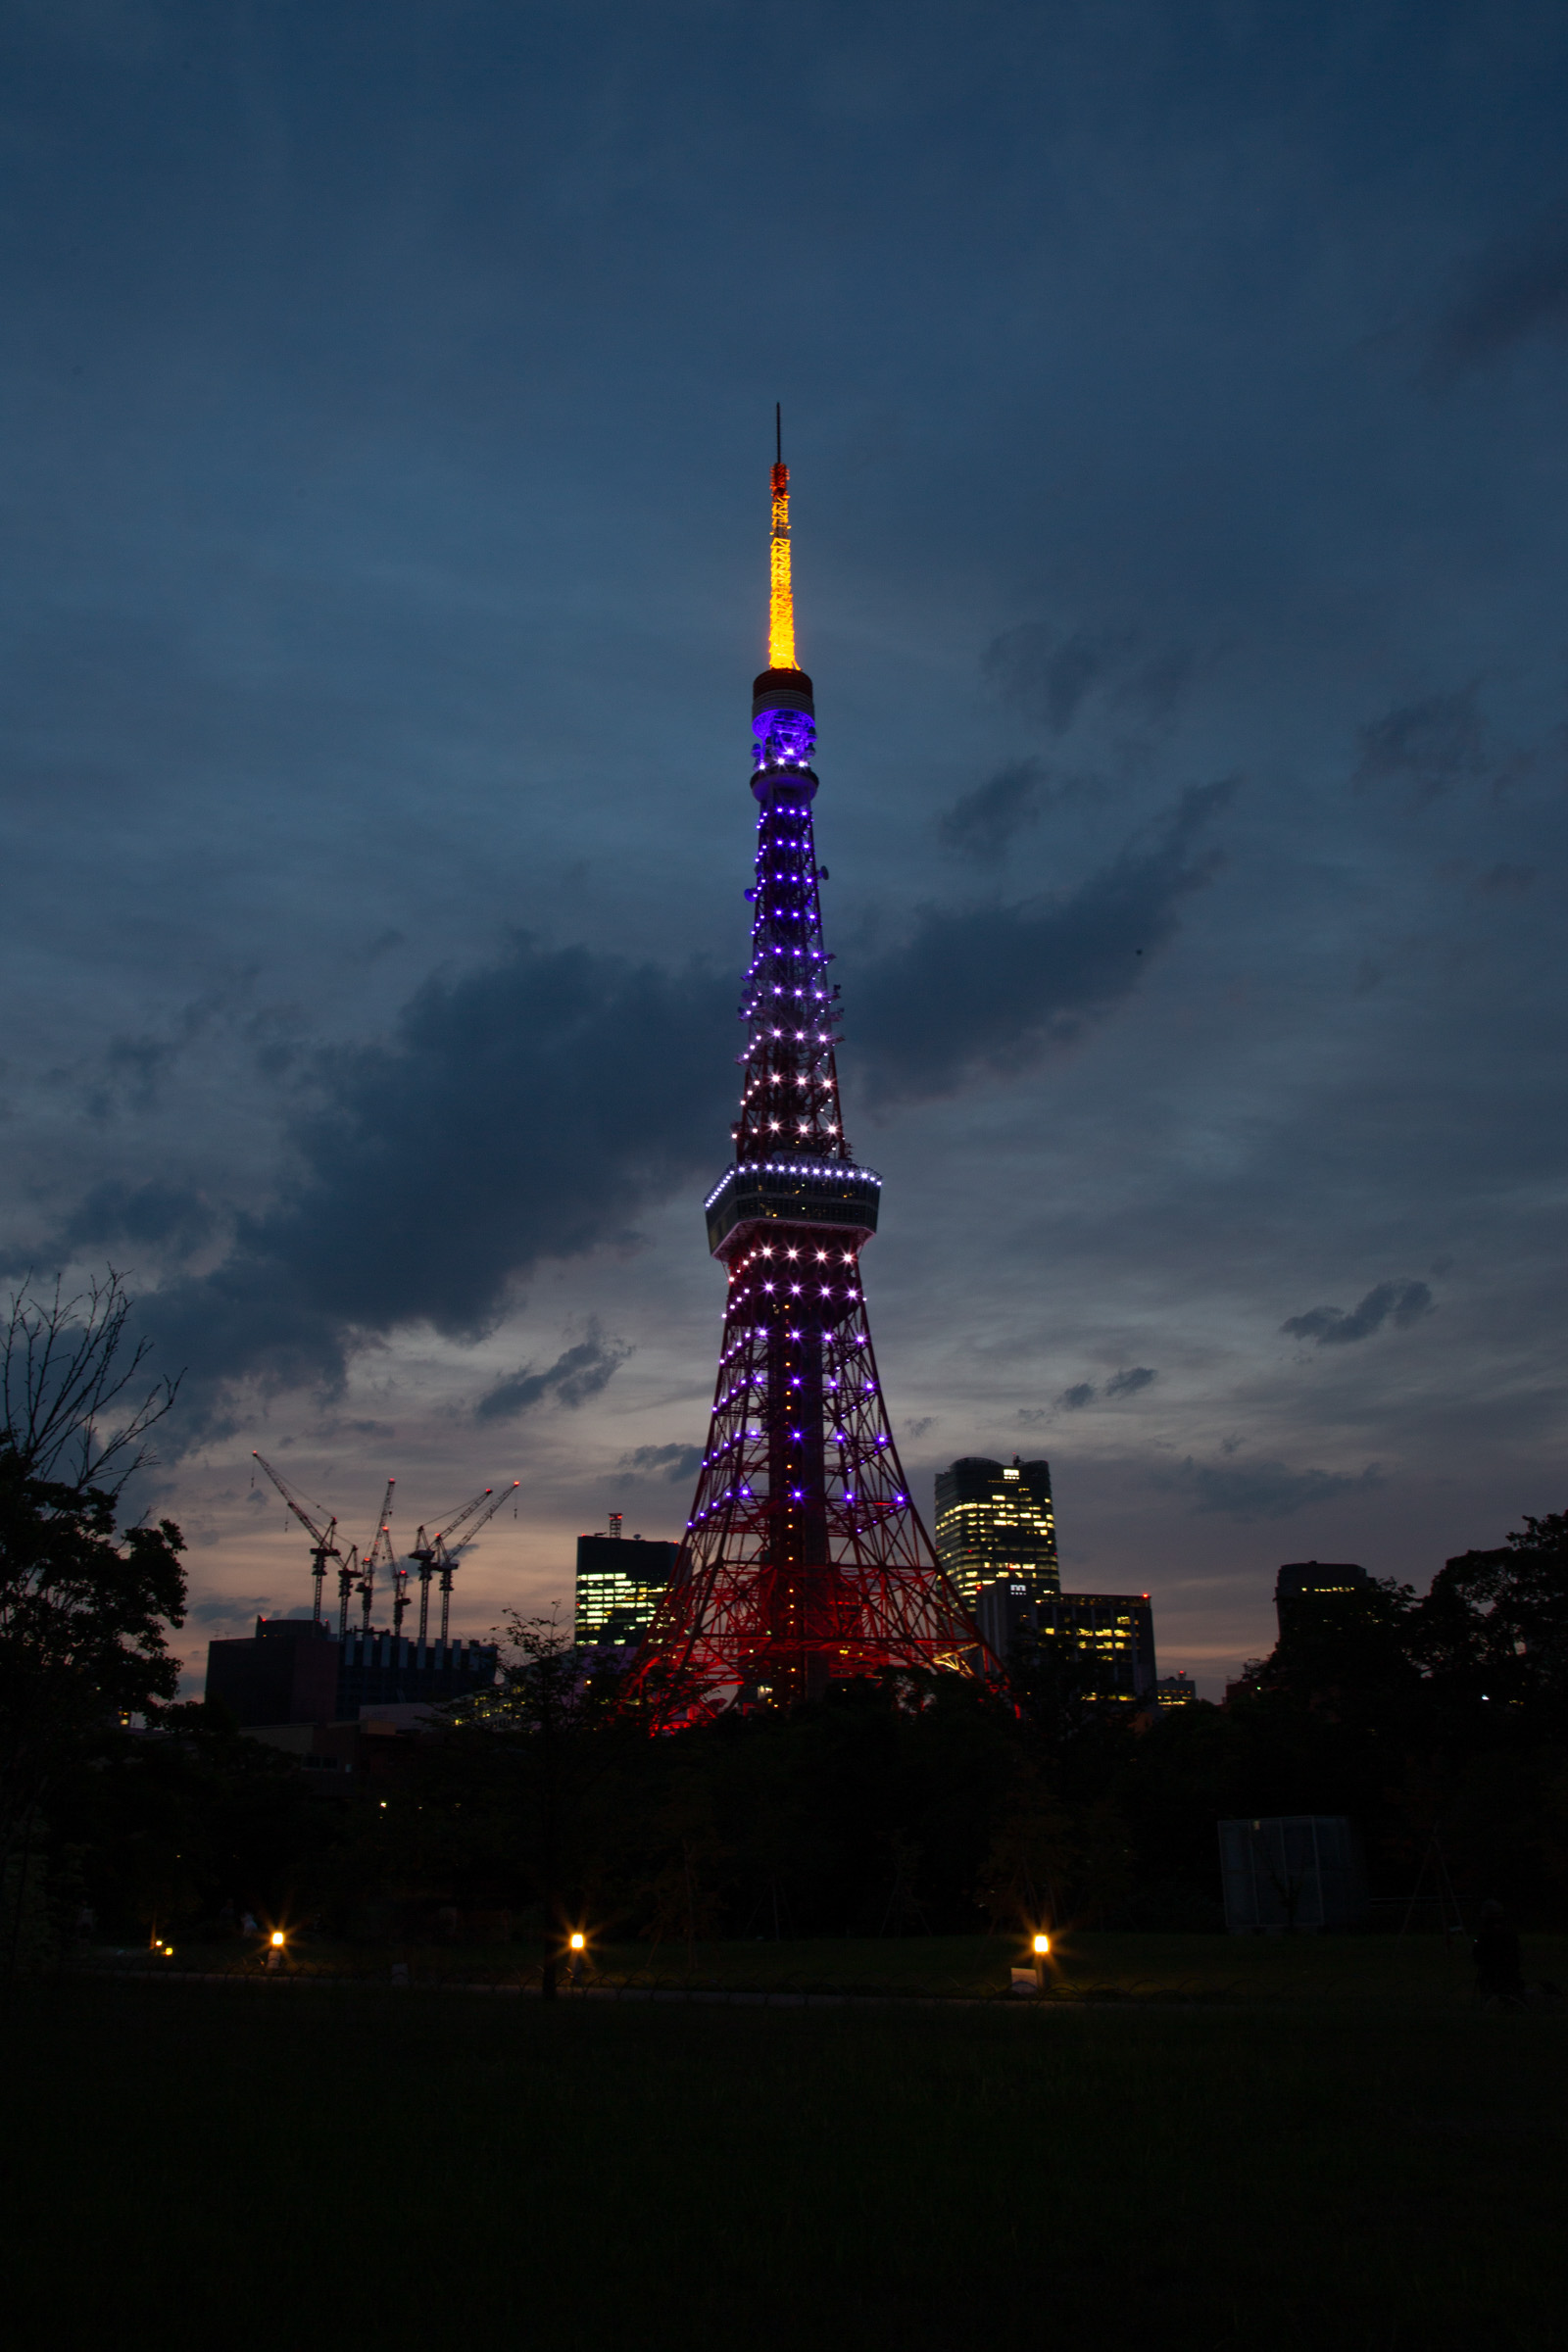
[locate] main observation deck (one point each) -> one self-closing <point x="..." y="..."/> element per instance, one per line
<point x="806" y="1192"/>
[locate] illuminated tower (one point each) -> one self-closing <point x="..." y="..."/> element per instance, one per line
<point x="804" y="1559"/>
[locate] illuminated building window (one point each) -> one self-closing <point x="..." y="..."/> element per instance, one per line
<point x="994" y="1520"/>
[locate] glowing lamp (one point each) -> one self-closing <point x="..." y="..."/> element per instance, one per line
<point x="578" y="1942"/>
<point x="277" y="1939"/>
<point x="1042" y="1946"/>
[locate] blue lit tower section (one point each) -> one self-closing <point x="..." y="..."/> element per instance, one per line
<point x="804" y="1559"/>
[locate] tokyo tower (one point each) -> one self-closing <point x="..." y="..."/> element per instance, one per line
<point x="804" y="1559"/>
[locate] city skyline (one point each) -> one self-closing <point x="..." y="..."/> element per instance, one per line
<point x="1174" y="403"/>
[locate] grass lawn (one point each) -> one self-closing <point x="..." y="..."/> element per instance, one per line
<point x="1342" y="2160"/>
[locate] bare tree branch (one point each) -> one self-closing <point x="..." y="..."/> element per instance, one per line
<point x="64" y="1371"/>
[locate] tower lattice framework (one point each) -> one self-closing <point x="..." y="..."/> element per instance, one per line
<point x="804" y="1559"/>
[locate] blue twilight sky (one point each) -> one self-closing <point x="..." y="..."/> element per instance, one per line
<point x="1175" y="396"/>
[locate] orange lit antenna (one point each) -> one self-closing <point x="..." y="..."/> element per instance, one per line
<point x="781" y="597"/>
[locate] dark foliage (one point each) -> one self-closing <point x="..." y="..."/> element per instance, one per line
<point x="82" y="1621"/>
<point x="891" y="1808"/>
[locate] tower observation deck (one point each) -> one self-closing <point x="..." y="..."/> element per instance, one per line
<point x="805" y="1560"/>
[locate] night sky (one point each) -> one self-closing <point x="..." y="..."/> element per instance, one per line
<point x="1176" y="398"/>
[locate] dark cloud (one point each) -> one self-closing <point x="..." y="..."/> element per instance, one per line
<point x="214" y="1609"/>
<point x="1399" y="1303"/>
<point x="1261" y="1490"/>
<point x="525" y="1111"/>
<point x="1429" y="745"/>
<point x="984" y="821"/>
<point x="1084" y="1392"/>
<point x="581" y="1372"/>
<point x="132" y="1071"/>
<point x="167" y="1221"/>
<point x="1051" y="678"/>
<point x="168" y="1217"/>
<point x="994" y="988"/>
<point x="677" y="1463"/>
<point x="1048" y="675"/>
<point x="1154" y="689"/>
<point x="1517" y="289"/>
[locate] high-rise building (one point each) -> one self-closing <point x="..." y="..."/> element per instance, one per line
<point x="804" y="1559"/>
<point x="1308" y="1593"/>
<point x="1106" y="1638"/>
<point x="620" y="1581"/>
<point x="1176" y="1691"/>
<point x="994" y="1520"/>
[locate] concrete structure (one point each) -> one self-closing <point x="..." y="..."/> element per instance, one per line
<point x="994" y="1520"/>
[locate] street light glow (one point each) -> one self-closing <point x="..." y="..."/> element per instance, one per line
<point x="278" y="1938"/>
<point x="577" y="1941"/>
<point x="1042" y="1946"/>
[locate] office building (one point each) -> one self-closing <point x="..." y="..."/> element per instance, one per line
<point x="620" y="1581"/>
<point x="1309" y="1595"/>
<point x="996" y="1522"/>
<point x="1175" y="1691"/>
<point x="1107" y="1637"/>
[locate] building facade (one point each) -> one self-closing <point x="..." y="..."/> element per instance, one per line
<point x="379" y="1670"/>
<point x="1176" y="1691"/>
<point x="1308" y="1593"/>
<point x="1105" y="1641"/>
<point x="996" y="1521"/>
<point x="620" y="1581"/>
<point x="292" y="1670"/>
<point x="285" y="1672"/>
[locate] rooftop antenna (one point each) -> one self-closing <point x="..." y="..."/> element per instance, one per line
<point x="779" y="432"/>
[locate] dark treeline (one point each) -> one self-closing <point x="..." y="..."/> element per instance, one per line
<point x="888" y="1808"/>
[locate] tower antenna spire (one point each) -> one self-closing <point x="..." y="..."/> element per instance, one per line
<point x="782" y="595"/>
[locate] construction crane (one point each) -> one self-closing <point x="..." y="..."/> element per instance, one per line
<point x="437" y="1553"/>
<point x="323" y="1547"/>
<point x="348" y="1577"/>
<point x="379" y="1553"/>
